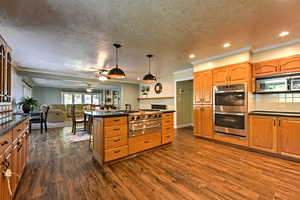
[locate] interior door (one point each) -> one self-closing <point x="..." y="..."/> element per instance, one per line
<point x="289" y="137"/>
<point x="197" y="120"/>
<point x="220" y="76"/>
<point x="239" y="73"/>
<point x="263" y="133"/>
<point x="206" y="87"/>
<point x="290" y="64"/>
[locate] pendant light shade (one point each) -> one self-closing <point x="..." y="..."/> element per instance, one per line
<point x="149" y="78"/>
<point x="116" y="72"/>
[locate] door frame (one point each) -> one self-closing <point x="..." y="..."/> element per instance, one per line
<point x="175" y="100"/>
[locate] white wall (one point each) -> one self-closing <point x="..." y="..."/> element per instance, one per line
<point x="129" y="95"/>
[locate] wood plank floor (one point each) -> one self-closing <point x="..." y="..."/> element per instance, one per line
<point x="190" y="168"/>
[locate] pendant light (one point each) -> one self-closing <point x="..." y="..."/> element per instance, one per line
<point x="149" y="78"/>
<point x="116" y="72"/>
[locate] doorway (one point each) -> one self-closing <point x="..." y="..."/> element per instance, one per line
<point x="184" y="103"/>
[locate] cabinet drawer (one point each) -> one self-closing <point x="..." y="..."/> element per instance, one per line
<point x="115" y="121"/>
<point x="114" y="142"/>
<point x="167" y="139"/>
<point x="168" y="115"/>
<point x="17" y="131"/>
<point x="168" y="131"/>
<point x="115" y="153"/>
<point x="115" y="131"/>
<point x="143" y="142"/>
<point x="167" y="123"/>
<point x="5" y="141"/>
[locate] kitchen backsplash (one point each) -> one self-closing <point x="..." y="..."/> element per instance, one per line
<point x="284" y="102"/>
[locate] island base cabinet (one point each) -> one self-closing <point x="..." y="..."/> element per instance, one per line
<point x="113" y="154"/>
<point x="5" y="191"/>
<point x="263" y="134"/>
<point x="144" y="142"/>
<point x="289" y="137"/>
<point x="167" y="135"/>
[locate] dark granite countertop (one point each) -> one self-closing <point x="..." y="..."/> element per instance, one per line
<point x="105" y="113"/>
<point x="275" y="113"/>
<point x="17" y="119"/>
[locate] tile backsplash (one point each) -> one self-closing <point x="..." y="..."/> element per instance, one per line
<point x="284" y="102"/>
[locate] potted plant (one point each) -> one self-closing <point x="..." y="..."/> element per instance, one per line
<point x="27" y="104"/>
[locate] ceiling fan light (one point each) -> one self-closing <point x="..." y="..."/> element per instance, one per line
<point x="116" y="73"/>
<point x="149" y="78"/>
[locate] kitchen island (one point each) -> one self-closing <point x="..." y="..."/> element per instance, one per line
<point x="117" y="135"/>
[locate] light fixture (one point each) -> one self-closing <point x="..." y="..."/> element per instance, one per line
<point x="192" y="56"/>
<point x="149" y="78"/>
<point x="102" y="78"/>
<point x="102" y="75"/>
<point x="283" y="33"/>
<point x="89" y="89"/>
<point x="138" y="78"/>
<point x="226" y="45"/>
<point x="116" y="72"/>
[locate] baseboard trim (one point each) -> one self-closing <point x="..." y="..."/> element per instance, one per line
<point x="184" y="125"/>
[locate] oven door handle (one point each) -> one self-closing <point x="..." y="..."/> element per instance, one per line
<point x="229" y="91"/>
<point x="230" y="113"/>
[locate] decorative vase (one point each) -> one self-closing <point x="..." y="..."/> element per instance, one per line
<point x="26" y="109"/>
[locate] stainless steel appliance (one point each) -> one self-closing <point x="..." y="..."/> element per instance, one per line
<point x="144" y="122"/>
<point x="230" y="109"/>
<point x="272" y="84"/>
<point x="295" y="83"/>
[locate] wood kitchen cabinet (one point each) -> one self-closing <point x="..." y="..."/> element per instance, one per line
<point x="232" y="74"/>
<point x="263" y="133"/>
<point x="203" y="87"/>
<point x="290" y="64"/>
<point x="266" y="68"/>
<point x="289" y="137"/>
<point x="5" y="71"/>
<point x="203" y="121"/>
<point x="167" y="133"/>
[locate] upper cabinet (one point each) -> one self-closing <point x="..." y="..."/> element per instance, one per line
<point x="203" y="87"/>
<point x="290" y="64"/>
<point x="277" y="66"/>
<point x="5" y="72"/>
<point x="232" y="74"/>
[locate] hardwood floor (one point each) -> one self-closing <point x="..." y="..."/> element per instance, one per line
<point x="190" y="168"/>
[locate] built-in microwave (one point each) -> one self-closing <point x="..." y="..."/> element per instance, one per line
<point x="266" y="85"/>
<point x="295" y="83"/>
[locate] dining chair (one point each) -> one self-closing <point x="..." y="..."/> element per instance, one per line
<point x="40" y="118"/>
<point x="74" y="120"/>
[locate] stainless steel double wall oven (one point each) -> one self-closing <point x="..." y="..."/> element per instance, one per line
<point x="230" y="109"/>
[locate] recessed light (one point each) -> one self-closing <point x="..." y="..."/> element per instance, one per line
<point x="138" y="78"/>
<point x="283" y="33"/>
<point x="192" y="56"/>
<point x="226" y="45"/>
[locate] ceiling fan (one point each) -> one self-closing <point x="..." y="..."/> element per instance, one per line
<point x="102" y="75"/>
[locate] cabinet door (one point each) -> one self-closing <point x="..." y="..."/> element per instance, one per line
<point x="206" y="87"/>
<point x="14" y="167"/>
<point x="206" y="119"/>
<point x="239" y="73"/>
<point x="263" y="133"/>
<point x="290" y="64"/>
<point x="197" y="121"/>
<point x="289" y="137"/>
<point x="2" y="68"/>
<point x="266" y="68"/>
<point x="197" y="87"/>
<point x="1" y="177"/>
<point x="220" y="76"/>
<point x="5" y="189"/>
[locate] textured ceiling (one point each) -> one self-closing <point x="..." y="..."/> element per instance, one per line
<point x="72" y="36"/>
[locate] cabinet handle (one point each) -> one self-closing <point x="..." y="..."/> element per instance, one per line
<point x="4" y="143"/>
<point x="279" y="123"/>
<point x="274" y="122"/>
<point x="117" y="151"/>
<point x="116" y="120"/>
<point x="146" y="142"/>
<point x="19" y="130"/>
<point x="117" y="140"/>
<point x="116" y="129"/>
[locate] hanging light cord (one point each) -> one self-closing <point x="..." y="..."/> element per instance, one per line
<point x="149" y="65"/>
<point x="117" y="55"/>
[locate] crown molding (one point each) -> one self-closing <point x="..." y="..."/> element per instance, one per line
<point x="275" y="46"/>
<point x="184" y="70"/>
<point x="219" y="56"/>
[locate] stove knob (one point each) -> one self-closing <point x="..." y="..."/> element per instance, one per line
<point x="132" y="118"/>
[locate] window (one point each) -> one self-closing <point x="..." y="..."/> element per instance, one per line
<point x="87" y="99"/>
<point x="27" y="90"/>
<point x="77" y="98"/>
<point x="101" y="98"/>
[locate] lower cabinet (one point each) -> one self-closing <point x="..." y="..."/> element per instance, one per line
<point x="167" y="135"/>
<point x="289" y="137"/>
<point x="144" y="142"/>
<point x="263" y="133"/>
<point x="275" y="134"/>
<point x="203" y="121"/>
<point x="13" y="159"/>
